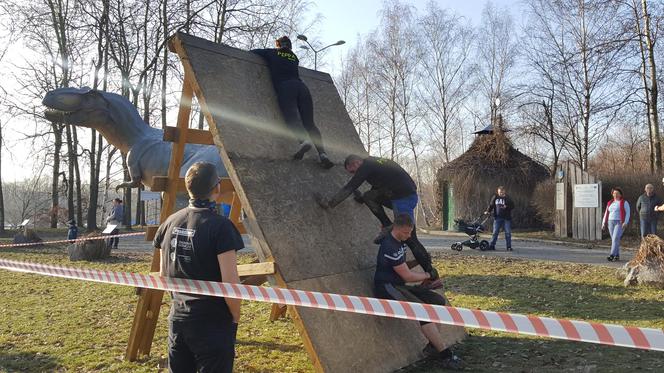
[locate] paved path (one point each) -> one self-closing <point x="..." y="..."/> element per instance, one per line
<point x="523" y="248"/>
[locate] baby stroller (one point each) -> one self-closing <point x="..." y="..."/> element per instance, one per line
<point x="473" y="231"/>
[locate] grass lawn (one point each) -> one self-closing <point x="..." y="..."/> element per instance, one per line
<point x="51" y="324"/>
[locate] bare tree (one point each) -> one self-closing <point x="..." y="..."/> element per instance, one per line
<point x="496" y="54"/>
<point x="447" y="43"/>
<point x="586" y="47"/>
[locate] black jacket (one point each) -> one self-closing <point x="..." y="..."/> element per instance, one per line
<point x="501" y="207"/>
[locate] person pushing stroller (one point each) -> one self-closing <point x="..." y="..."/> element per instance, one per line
<point x="501" y="205"/>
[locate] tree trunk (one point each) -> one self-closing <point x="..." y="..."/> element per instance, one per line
<point x="2" y="199"/>
<point x="77" y="182"/>
<point x="94" y="184"/>
<point x="126" y="193"/>
<point x="70" y="174"/>
<point x="55" y="194"/>
<point x="654" y="116"/>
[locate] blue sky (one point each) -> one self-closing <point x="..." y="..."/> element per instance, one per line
<point x="345" y="19"/>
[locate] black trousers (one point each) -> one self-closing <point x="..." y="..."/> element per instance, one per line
<point x="297" y="107"/>
<point x="376" y="200"/>
<point x="406" y="293"/>
<point x="201" y="346"/>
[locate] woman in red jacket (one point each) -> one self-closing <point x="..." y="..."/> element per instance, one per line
<point x="616" y="218"/>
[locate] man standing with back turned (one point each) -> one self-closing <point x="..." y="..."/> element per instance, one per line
<point x="391" y="187"/>
<point x="196" y="243"/>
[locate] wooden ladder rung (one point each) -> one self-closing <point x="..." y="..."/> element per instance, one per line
<point x="194" y="136"/>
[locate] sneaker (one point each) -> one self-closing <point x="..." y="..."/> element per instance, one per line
<point x="491" y="248"/>
<point x="616" y="258"/>
<point x="508" y="249"/>
<point x="325" y="162"/>
<point x="610" y="258"/>
<point x="382" y="234"/>
<point x="449" y="360"/>
<point x="305" y="146"/>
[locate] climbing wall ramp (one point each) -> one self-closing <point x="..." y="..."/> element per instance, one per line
<point x="314" y="249"/>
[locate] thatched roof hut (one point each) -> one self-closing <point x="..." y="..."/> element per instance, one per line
<point x="466" y="184"/>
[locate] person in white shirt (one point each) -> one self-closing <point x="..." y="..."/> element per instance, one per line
<point x="616" y="219"/>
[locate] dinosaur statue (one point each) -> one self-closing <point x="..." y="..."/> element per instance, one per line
<point x="118" y="121"/>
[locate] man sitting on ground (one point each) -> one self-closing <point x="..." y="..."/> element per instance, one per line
<point x="391" y="187"/>
<point x="196" y="243"/>
<point x="392" y="273"/>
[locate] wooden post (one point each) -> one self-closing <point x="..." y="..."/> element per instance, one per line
<point x="149" y="303"/>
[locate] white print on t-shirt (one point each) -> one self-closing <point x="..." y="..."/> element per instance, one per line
<point x="501" y="204"/>
<point x="182" y="244"/>
<point x="398" y="255"/>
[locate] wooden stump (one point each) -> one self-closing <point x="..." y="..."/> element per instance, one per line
<point x="647" y="267"/>
<point x="89" y="250"/>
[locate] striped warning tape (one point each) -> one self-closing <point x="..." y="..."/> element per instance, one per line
<point x="574" y="330"/>
<point x="72" y="241"/>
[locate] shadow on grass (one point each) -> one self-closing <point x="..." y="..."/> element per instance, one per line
<point x="271" y="346"/>
<point x="561" y="299"/>
<point x="501" y="352"/>
<point x="26" y="362"/>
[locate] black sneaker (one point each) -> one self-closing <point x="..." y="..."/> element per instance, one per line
<point x="449" y="360"/>
<point x="508" y="249"/>
<point x="382" y="234"/>
<point x="610" y="258"/>
<point x="491" y="248"/>
<point x="616" y="258"/>
<point x="304" y="148"/>
<point x="325" y="162"/>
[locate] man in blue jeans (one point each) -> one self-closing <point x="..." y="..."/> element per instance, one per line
<point x="391" y="187"/>
<point x="501" y="205"/>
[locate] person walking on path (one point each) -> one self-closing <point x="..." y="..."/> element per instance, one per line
<point x="115" y="217"/>
<point x="391" y="187"/>
<point x="616" y="219"/>
<point x="197" y="243"/>
<point x="501" y="206"/>
<point x="72" y="232"/>
<point x="294" y="98"/>
<point x="390" y="279"/>
<point x="646" y="205"/>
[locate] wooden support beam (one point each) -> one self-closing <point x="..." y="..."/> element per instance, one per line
<point x="162" y="184"/>
<point x="147" y="309"/>
<point x="254" y="280"/>
<point x="150" y="232"/>
<point x="278" y="311"/>
<point x="265" y="268"/>
<point x="299" y="324"/>
<point x="194" y="136"/>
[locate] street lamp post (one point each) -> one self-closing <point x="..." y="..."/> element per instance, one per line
<point x="309" y="46"/>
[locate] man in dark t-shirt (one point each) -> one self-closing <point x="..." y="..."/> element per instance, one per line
<point x="294" y="98"/>
<point x="197" y="243"/>
<point x="390" y="279"/>
<point x="391" y="187"/>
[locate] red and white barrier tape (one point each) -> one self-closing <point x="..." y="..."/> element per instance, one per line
<point x="72" y="241"/>
<point x="574" y="330"/>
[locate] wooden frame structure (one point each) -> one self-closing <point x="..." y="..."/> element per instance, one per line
<point x="578" y="222"/>
<point x="150" y="300"/>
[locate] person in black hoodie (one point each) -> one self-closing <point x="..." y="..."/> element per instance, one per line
<point x="501" y="205"/>
<point x="294" y="98"/>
